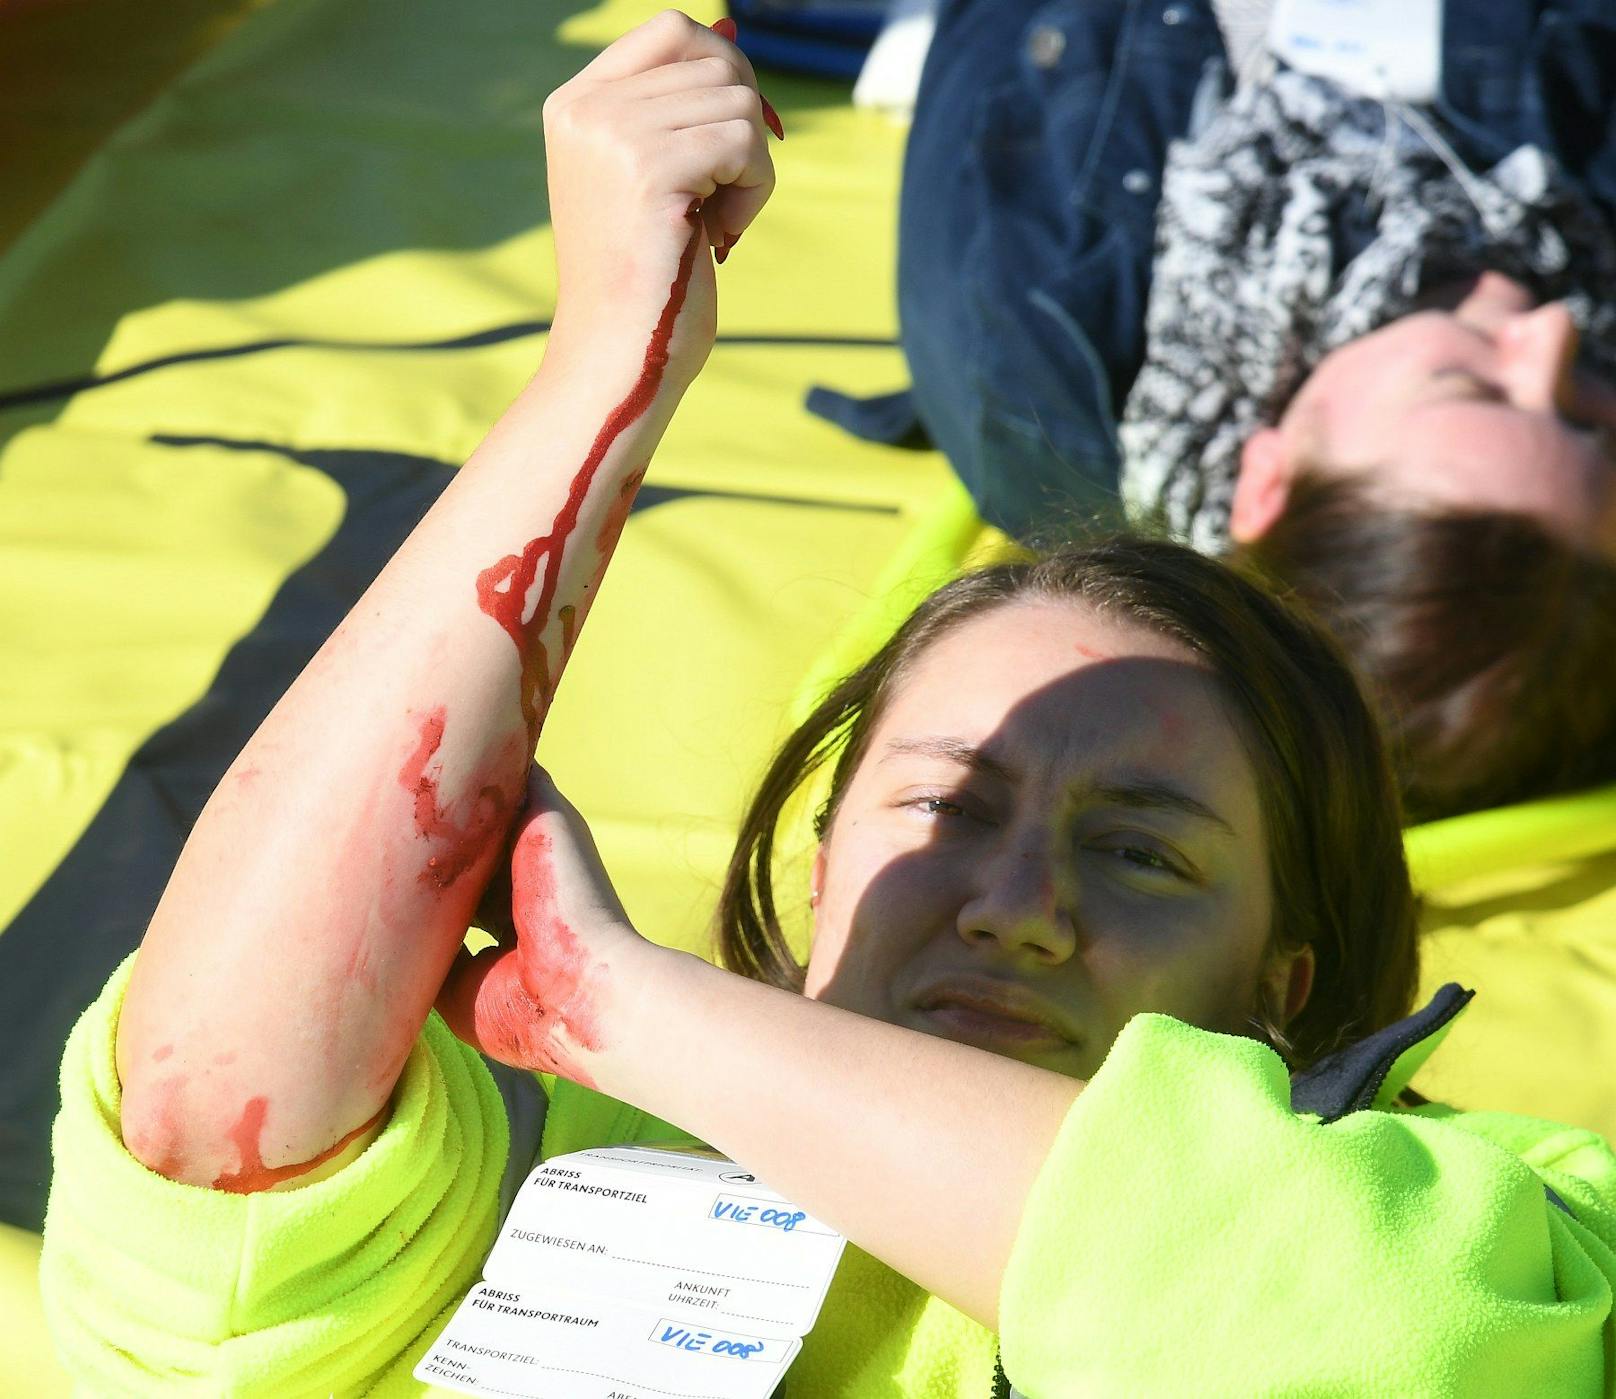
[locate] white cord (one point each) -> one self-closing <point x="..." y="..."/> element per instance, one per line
<point x="1426" y="129"/>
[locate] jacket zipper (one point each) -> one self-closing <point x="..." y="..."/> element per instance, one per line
<point x="1001" y="1381"/>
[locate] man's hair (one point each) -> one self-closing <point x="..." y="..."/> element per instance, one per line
<point x="1487" y="642"/>
<point x="1329" y="806"/>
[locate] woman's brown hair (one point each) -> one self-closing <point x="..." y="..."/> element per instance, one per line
<point x="1486" y="642"/>
<point x="1340" y="884"/>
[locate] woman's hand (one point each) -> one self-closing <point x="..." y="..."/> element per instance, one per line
<point x="540" y="999"/>
<point x="661" y="139"/>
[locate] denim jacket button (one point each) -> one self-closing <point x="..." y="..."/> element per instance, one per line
<point x="1172" y="15"/>
<point x="1045" y="45"/>
<point x="1136" y="181"/>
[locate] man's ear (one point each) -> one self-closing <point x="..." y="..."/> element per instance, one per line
<point x="1263" y="487"/>
<point x="1288" y="982"/>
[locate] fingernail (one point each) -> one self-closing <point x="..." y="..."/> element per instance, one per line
<point x="729" y="246"/>
<point x="724" y="28"/>
<point x="772" y="117"/>
<point x="721" y="252"/>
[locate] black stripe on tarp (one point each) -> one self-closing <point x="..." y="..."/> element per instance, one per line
<point x="91" y="910"/>
<point x="645" y="498"/>
<point x="55" y="389"/>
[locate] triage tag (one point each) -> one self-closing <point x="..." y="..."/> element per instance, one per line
<point x="639" y="1273"/>
<point x="502" y="1342"/>
<point x="1386" y="49"/>
<point x="675" y="1232"/>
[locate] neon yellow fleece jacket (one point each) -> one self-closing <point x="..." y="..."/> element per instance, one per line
<point x="1191" y="1233"/>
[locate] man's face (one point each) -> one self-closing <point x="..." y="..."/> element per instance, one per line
<point x="1480" y="406"/>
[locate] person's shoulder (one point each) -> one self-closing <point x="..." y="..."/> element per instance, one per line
<point x="1536" y="1140"/>
<point x="1570" y="1159"/>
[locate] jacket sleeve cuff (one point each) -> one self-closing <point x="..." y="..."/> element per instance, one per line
<point x="149" y="1283"/>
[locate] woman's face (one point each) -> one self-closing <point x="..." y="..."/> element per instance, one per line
<point x="1479" y="405"/>
<point x="1055" y="827"/>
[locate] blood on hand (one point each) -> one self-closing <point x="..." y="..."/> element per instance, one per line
<point x="535" y="1005"/>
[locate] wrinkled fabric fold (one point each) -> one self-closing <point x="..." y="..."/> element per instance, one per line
<point x="1188" y="1223"/>
<point x="153" y="1287"/>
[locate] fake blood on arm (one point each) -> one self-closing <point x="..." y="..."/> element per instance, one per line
<point x="247" y="1136"/>
<point x="459" y="844"/>
<point x="517" y="1002"/>
<point x="505" y="589"/>
<point x="525" y="1005"/>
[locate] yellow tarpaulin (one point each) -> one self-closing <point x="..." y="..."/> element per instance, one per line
<point x="246" y="346"/>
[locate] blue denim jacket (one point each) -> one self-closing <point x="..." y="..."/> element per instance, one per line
<point x="1029" y="203"/>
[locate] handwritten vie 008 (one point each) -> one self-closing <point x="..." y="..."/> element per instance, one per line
<point x="742" y="1211"/>
<point x="682" y="1338"/>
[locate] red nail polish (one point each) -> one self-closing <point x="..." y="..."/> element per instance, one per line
<point x="729" y="245"/>
<point x="772" y="117"/>
<point x="724" y="28"/>
<point x="720" y="253"/>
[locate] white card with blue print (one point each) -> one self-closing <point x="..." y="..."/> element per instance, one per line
<point x="1385" y="49"/>
<point x="662" y="1229"/>
<point x="639" y="1273"/>
<point x="506" y="1343"/>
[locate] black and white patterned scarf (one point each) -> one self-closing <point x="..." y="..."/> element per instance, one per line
<point x="1248" y="295"/>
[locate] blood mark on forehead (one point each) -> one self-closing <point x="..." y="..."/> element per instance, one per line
<point x="1175" y="727"/>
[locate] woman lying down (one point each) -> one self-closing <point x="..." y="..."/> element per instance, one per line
<point x="1099" y="1056"/>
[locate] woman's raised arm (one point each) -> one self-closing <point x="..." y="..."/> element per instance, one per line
<point x="324" y="892"/>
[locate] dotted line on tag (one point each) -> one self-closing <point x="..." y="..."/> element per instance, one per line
<point x="679" y="1393"/>
<point x="618" y="1163"/>
<point x="595" y="1375"/>
<point x="733" y="1277"/>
